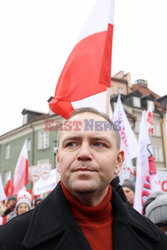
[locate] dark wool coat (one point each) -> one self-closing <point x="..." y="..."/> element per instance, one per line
<point x="51" y="226"/>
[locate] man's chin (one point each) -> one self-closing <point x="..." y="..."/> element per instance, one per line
<point x="83" y="187"/>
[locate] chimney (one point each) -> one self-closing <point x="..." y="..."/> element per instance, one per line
<point x="142" y="82"/>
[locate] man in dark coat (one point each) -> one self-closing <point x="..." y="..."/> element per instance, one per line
<point x="83" y="211"/>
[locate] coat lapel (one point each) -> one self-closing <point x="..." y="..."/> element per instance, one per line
<point x="54" y="223"/>
<point x="130" y="230"/>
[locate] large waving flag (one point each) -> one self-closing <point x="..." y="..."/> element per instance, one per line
<point x="20" y="178"/>
<point x="87" y="71"/>
<point x="2" y="192"/>
<point x="146" y="176"/>
<point x="129" y="142"/>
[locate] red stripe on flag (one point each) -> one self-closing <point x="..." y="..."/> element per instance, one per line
<point x="26" y="173"/>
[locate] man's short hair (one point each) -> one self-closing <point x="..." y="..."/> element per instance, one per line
<point x="94" y="111"/>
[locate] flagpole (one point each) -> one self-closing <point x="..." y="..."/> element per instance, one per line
<point x="107" y="101"/>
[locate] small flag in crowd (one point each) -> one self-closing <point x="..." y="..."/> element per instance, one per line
<point x="128" y="139"/>
<point x="8" y="183"/>
<point x="20" y="178"/>
<point x="146" y="176"/>
<point x="150" y="120"/>
<point x="2" y="192"/>
<point x="87" y="72"/>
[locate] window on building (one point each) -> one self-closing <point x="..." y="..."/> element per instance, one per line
<point x="157" y="154"/>
<point x="150" y="105"/>
<point x="28" y="144"/>
<point x="136" y="102"/>
<point x="7" y="152"/>
<point x="43" y="139"/>
<point x="120" y="90"/>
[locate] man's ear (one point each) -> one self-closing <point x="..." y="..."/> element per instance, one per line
<point x="57" y="160"/>
<point x="120" y="160"/>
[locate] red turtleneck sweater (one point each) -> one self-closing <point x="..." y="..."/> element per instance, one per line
<point x="95" y="222"/>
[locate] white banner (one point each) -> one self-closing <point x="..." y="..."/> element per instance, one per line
<point x="129" y="142"/>
<point x="45" y="185"/>
<point x="162" y="177"/>
<point x="146" y="175"/>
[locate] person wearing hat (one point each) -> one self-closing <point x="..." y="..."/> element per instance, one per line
<point x="11" y="202"/>
<point x="129" y="190"/>
<point x="23" y="205"/>
<point x="156" y="211"/>
<point x="37" y="201"/>
<point x="150" y="199"/>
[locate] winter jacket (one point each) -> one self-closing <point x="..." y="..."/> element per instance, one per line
<point x="51" y="226"/>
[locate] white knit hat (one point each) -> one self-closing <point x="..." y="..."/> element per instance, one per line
<point x="156" y="211"/>
<point x="23" y="200"/>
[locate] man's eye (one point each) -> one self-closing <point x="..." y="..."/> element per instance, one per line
<point x="71" y="144"/>
<point x="99" y="144"/>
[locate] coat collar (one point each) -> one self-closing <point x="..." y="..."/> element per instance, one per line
<point x="49" y="220"/>
<point x="128" y="221"/>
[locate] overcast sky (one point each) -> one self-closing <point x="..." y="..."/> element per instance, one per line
<point x="36" y="37"/>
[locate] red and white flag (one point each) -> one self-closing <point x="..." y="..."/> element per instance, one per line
<point x="2" y="191"/>
<point x="87" y="72"/>
<point x="146" y="175"/>
<point x="20" y="178"/>
<point x="7" y="183"/>
<point x="150" y="120"/>
<point x="129" y="142"/>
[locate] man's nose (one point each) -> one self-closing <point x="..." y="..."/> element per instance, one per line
<point x="84" y="153"/>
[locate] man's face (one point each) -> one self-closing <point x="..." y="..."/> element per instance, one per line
<point x="11" y="204"/>
<point x="130" y="195"/>
<point x="88" y="160"/>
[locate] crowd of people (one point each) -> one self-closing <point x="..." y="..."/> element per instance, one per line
<point x="155" y="206"/>
<point x="88" y="209"/>
<point x="16" y="205"/>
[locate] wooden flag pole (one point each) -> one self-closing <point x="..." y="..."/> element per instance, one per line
<point x="107" y="101"/>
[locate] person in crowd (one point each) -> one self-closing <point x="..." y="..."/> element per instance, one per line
<point x="156" y="211"/>
<point x="23" y="205"/>
<point x="37" y="201"/>
<point x="2" y="209"/>
<point x="150" y="198"/>
<point x="84" y="211"/>
<point x="11" y="202"/>
<point x="129" y="190"/>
